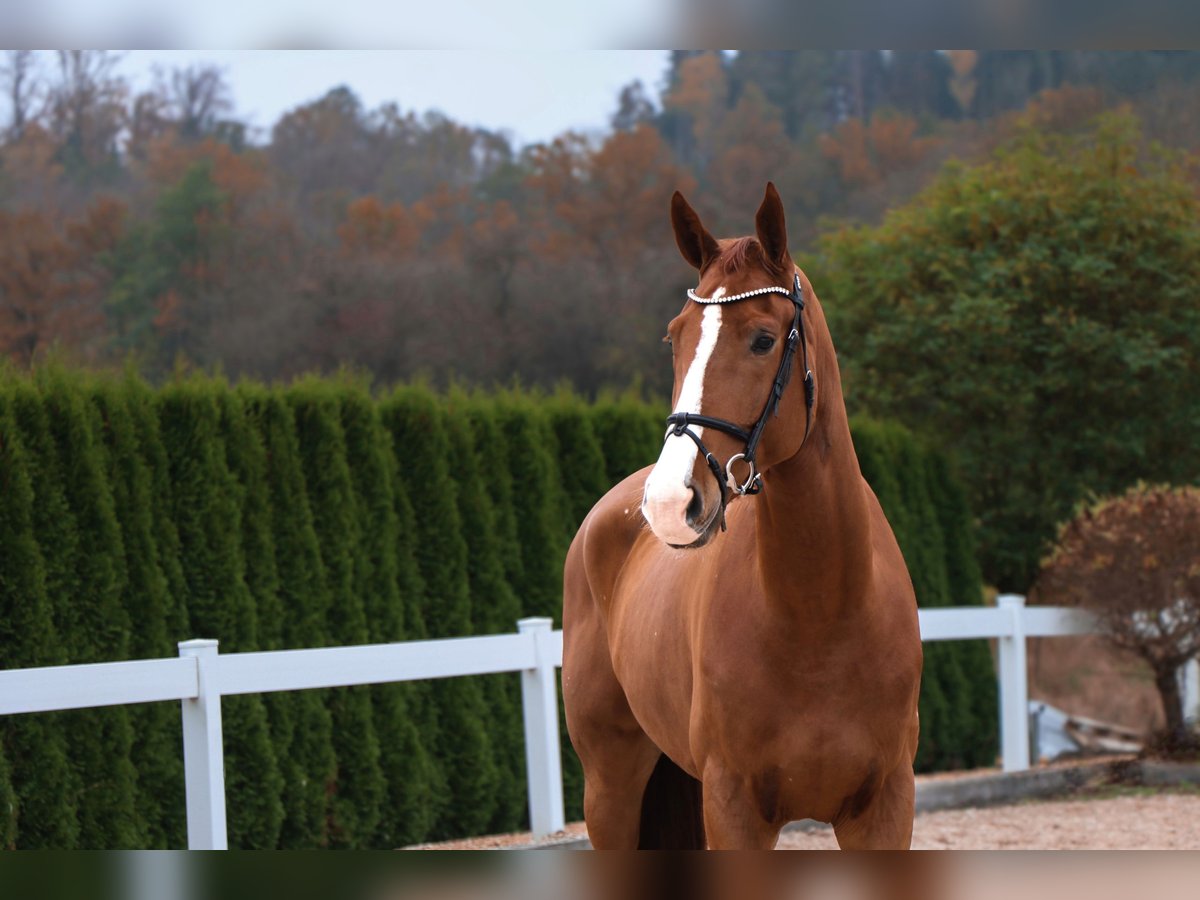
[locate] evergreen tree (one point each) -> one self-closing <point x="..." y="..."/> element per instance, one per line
<point x="580" y="458"/>
<point x="406" y="815"/>
<point x="422" y="449"/>
<point x="965" y="588"/>
<point x="155" y="751"/>
<point x="245" y="458"/>
<point x="8" y="805"/>
<point x="207" y="513"/>
<point x="630" y="434"/>
<point x="544" y="534"/>
<point x="354" y="803"/>
<point x="425" y="698"/>
<point x="537" y="490"/>
<point x="953" y="682"/>
<point x="36" y="746"/>
<point x="491" y="596"/>
<point x="91" y="620"/>
<point x="142" y="404"/>
<point x="490" y="443"/>
<point x="301" y="728"/>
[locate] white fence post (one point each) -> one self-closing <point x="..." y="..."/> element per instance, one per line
<point x="1014" y="688"/>
<point x="203" y="753"/>
<point x="1190" y="694"/>
<point x="543" y="760"/>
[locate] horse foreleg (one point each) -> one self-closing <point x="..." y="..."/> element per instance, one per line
<point x="614" y="783"/>
<point x="886" y="822"/>
<point x="616" y="755"/>
<point x="734" y="816"/>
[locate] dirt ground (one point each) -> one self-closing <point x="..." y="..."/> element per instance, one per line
<point x="1106" y="819"/>
<point x="1117" y="819"/>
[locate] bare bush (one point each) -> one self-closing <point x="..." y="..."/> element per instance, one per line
<point x="1134" y="561"/>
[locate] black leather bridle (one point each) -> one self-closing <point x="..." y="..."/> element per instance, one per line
<point x="681" y="421"/>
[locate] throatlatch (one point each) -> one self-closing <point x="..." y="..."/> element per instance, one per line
<point x="681" y="421"/>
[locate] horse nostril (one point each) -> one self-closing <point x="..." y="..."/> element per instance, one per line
<point x="695" y="507"/>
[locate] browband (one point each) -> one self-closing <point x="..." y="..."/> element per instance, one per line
<point x="771" y="289"/>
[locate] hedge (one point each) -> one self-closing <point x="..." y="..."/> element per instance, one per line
<point x="322" y="513"/>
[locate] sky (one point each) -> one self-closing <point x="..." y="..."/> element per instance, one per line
<point x="534" y="95"/>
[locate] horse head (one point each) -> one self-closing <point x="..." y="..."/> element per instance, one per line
<point x="735" y="343"/>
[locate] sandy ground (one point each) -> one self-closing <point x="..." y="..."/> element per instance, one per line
<point x="1112" y="819"/>
<point x="1133" y="821"/>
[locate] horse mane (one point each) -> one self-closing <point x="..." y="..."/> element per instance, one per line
<point x="737" y="253"/>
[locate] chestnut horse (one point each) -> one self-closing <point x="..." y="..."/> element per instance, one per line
<point x="751" y="657"/>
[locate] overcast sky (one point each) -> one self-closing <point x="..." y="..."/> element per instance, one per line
<point x="533" y="94"/>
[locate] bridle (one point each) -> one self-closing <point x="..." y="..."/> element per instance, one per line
<point x="679" y="422"/>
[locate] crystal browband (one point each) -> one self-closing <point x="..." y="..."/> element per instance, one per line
<point x="772" y="289"/>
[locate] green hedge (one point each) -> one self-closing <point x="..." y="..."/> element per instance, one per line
<point x="320" y="514"/>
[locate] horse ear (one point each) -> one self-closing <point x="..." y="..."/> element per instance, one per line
<point x="695" y="243"/>
<point x="772" y="229"/>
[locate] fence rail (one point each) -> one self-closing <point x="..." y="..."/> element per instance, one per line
<point x="201" y="675"/>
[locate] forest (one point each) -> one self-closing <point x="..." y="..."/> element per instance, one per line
<point x="156" y="227"/>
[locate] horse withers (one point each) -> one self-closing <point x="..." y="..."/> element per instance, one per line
<point x="741" y="645"/>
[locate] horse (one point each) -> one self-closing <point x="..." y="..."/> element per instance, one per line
<point x="741" y="646"/>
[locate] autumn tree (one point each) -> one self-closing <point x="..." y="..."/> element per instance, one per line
<point x="698" y="98"/>
<point x="52" y="284"/>
<point x="867" y="152"/>
<point x="634" y="107"/>
<point x="86" y="112"/>
<point x="21" y="90"/>
<point x="1134" y="561"/>
<point x="794" y="82"/>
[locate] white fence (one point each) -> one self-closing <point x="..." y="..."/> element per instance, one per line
<point x="200" y="676"/>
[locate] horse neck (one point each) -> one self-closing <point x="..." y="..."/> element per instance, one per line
<point x="814" y="531"/>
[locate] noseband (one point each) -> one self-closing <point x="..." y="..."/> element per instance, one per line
<point x="679" y="422"/>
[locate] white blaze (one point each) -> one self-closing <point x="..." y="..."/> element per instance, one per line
<point x="668" y="487"/>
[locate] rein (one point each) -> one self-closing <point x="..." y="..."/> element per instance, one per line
<point x="680" y="422"/>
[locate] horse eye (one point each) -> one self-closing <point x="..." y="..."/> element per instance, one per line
<point x="763" y="343"/>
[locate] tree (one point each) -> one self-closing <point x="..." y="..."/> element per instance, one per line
<point x="1036" y="316"/>
<point x="1133" y="560"/>
<point x="698" y="97"/>
<point x="90" y="618"/>
<point x="798" y="83"/>
<point x="163" y="270"/>
<point x="357" y="789"/>
<point x="18" y="76"/>
<point x="385" y="574"/>
<point x="580" y="458"/>
<point x="147" y="603"/>
<point x="35" y="746"/>
<point x="475" y="465"/>
<point x="421" y="445"/>
<point x="51" y="283"/>
<point x="198" y="98"/>
<point x="86" y="106"/>
<point x="634" y="107"/>
<point x="205" y="505"/>
<point x="301" y="727"/>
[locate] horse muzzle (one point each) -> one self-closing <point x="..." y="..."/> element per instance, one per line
<point x="678" y="514"/>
